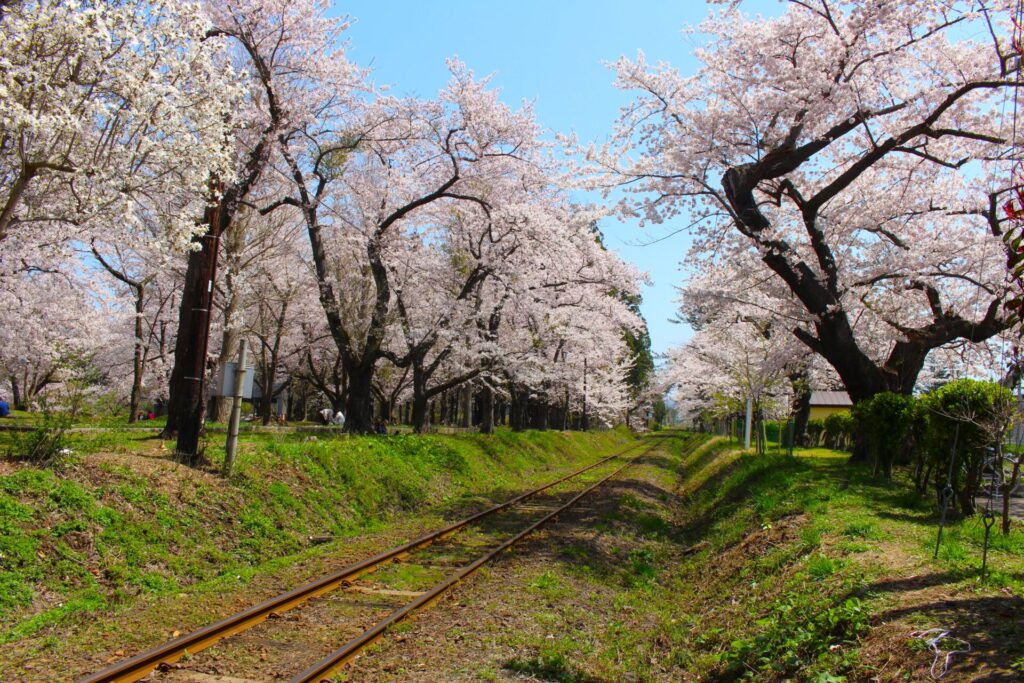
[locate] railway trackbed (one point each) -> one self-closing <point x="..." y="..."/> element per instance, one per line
<point x="358" y="604"/>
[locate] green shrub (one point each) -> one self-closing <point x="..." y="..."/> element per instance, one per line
<point x="793" y="634"/>
<point x="963" y="418"/>
<point x="886" y="419"/>
<point x="45" y="444"/>
<point x="815" y="432"/>
<point x="840" y="429"/>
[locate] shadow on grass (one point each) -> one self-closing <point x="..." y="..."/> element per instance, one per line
<point x="929" y="520"/>
<point x="635" y="509"/>
<point x="912" y="583"/>
<point x="660" y="461"/>
<point x="555" y="669"/>
<point x="992" y="625"/>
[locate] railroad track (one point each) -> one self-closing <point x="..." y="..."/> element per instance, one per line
<point x="481" y="538"/>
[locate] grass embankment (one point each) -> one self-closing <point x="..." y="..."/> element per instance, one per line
<point x="119" y="520"/>
<point x="713" y="565"/>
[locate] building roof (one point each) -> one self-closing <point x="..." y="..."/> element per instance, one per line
<point x="838" y="399"/>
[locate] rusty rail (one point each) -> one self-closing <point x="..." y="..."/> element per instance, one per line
<point x="337" y="659"/>
<point x="142" y="664"/>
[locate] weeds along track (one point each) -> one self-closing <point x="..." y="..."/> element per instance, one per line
<point x="358" y="604"/>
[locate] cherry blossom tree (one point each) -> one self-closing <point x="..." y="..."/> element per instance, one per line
<point x="104" y="106"/>
<point x="40" y="342"/>
<point x="734" y="358"/>
<point x="368" y="245"/>
<point x="284" y="300"/>
<point x="362" y="190"/>
<point x="735" y="287"/>
<point x="562" y="332"/>
<point x="856" y="148"/>
<point x="1014" y="205"/>
<point x="149" y="286"/>
<point x="253" y="248"/>
<point x="448" y="320"/>
<point x="435" y="287"/>
<point x="292" y="61"/>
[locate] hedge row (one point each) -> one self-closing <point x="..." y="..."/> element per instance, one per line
<point x="953" y="435"/>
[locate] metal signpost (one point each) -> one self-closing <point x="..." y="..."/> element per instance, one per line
<point x="241" y="373"/>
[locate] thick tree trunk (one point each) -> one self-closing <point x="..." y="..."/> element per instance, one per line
<point x="420" y="398"/>
<point x="467" y="407"/>
<point x="275" y="360"/>
<point x="446" y="408"/>
<point x="519" y="408"/>
<point x="419" y="414"/>
<point x="487" y="410"/>
<point x="819" y="289"/>
<point x="267" y="397"/>
<point x="801" y="408"/>
<point x="542" y="415"/>
<point x="359" y="406"/>
<point x="966" y="500"/>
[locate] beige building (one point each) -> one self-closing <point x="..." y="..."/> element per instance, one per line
<point x="825" y="403"/>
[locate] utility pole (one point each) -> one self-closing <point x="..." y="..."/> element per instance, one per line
<point x="236" y="407"/>
<point x="187" y="402"/>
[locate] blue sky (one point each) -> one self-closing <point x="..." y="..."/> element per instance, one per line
<point x="551" y="53"/>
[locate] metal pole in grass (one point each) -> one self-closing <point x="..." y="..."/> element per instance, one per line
<point x="989" y="516"/>
<point x="236" y="408"/>
<point x="947" y="491"/>
<point x="989" y="520"/>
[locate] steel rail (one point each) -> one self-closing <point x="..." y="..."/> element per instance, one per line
<point x="322" y="669"/>
<point x="140" y="665"/>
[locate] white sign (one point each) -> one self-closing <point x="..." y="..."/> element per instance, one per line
<point x="226" y="380"/>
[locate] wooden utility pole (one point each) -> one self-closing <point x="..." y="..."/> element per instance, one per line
<point x="187" y="404"/>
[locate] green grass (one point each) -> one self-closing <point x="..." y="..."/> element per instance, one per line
<point x="549" y="665"/>
<point x="94" y="535"/>
<point x="762" y="568"/>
